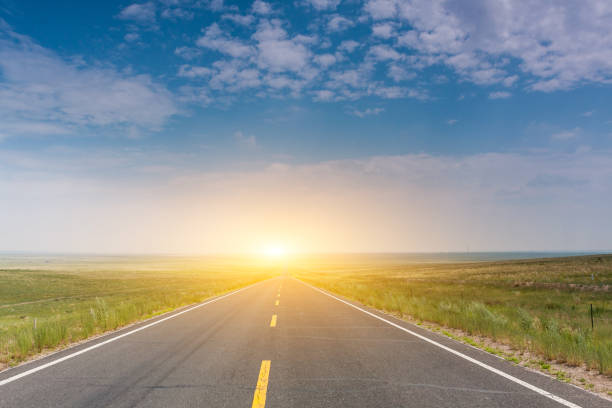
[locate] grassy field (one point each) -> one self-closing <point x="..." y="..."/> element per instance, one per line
<point x="46" y="302"/>
<point x="541" y="306"/>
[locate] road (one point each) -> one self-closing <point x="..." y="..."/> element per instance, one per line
<point x="280" y="343"/>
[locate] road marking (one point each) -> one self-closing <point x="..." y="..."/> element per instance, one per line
<point x="273" y="321"/>
<point x="278" y="295"/>
<point x="95" y="346"/>
<point x="455" y="352"/>
<point x="259" y="397"/>
<point x="276" y="303"/>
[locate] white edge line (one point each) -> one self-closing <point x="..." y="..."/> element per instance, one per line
<point x="95" y="346"/>
<point x="455" y="352"/>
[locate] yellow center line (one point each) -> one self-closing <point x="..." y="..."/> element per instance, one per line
<point x="276" y="304"/>
<point x="278" y="295"/>
<point x="259" y="398"/>
<point x="273" y="321"/>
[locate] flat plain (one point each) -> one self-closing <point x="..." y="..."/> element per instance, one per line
<point x="48" y="302"/>
<point x="538" y="306"/>
<point x="542" y="306"/>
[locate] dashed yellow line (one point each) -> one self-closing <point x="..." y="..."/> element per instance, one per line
<point x="273" y="321"/>
<point x="276" y="303"/>
<point x="259" y="397"/>
<point x="278" y="295"/>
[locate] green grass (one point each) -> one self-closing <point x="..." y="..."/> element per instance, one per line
<point x="541" y="305"/>
<point x="51" y="302"/>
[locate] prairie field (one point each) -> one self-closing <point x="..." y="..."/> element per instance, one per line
<point x="536" y="305"/>
<point x="49" y="302"/>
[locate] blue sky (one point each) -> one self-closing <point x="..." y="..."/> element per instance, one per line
<point x="484" y="122"/>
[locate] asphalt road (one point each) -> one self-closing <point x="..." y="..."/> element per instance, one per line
<point x="316" y="352"/>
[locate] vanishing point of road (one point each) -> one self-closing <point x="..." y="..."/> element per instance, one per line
<point x="280" y="343"/>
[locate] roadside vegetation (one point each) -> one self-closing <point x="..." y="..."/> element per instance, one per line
<point x="46" y="303"/>
<point x="540" y="306"/>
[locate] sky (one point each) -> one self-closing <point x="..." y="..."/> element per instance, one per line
<point x="208" y="126"/>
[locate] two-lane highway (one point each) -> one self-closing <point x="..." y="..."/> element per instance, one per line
<point x="280" y="343"/>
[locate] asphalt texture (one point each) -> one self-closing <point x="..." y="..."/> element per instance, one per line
<point x="322" y="353"/>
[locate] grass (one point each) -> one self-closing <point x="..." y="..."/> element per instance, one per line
<point x="47" y="303"/>
<point x="540" y="306"/>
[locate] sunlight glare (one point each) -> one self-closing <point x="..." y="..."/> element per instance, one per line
<point x="274" y="251"/>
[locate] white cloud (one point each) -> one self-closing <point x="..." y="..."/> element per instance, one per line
<point x="390" y="92"/>
<point x="383" y="53"/>
<point x="198" y="95"/>
<point x="215" y="5"/>
<point x="381" y="9"/>
<point x="142" y="13"/>
<point x="348" y="45"/>
<point x="487" y="76"/>
<point x="323" y="4"/>
<point x="338" y="23"/>
<point x="366" y="112"/>
<point x="245" y="141"/>
<point x="240" y="19"/>
<point x="559" y="43"/>
<point x="177" y="14"/>
<point x="18" y="128"/>
<point x="325" y="60"/>
<point x="261" y="7"/>
<point x="452" y="121"/>
<point x="587" y="114"/>
<point x="131" y="37"/>
<point x="37" y="86"/>
<point x="509" y="81"/>
<point x="215" y="39"/>
<point x="277" y="52"/>
<point x="188" y="53"/>
<point x="567" y="134"/>
<point x="383" y="30"/>
<point x="399" y="73"/>
<point x="323" y="95"/>
<point x="189" y="71"/>
<point x="500" y="95"/>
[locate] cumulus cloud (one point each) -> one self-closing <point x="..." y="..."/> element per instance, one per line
<point x="131" y="37"/>
<point x="188" y="53"/>
<point x="338" y="23"/>
<point x="142" y="13"/>
<point x="240" y="19"/>
<point x="325" y="60"/>
<point x="399" y="73"/>
<point x="177" y="13"/>
<point x="348" y="46"/>
<point x="41" y="92"/>
<point x="383" y="30"/>
<point x="500" y="95"/>
<point x="383" y="53"/>
<point x="215" y="39"/>
<point x="189" y="71"/>
<point x="323" y="95"/>
<point x="500" y="47"/>
<point x="567" y="134"/>
<point x="366" y="112"/>
<point x="322" y="4"/>
<point x="244" y="140"/>
<point x="559" y="43"/>
<point x="277" y="51"/>
<point x="261" y="7"/>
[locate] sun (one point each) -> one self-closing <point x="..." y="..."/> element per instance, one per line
<point x="274" y="251"/>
